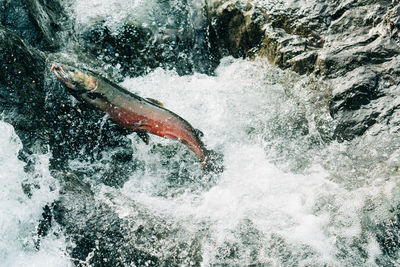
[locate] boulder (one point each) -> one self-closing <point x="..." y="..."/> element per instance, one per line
<point x="175" y="39"/>
<point x="38" y="22"/>
<point x="351" y="45"/>
<point x="51" y="22"/>
<point x="102" y="235"/>
<point x="22" y="97"/>
<point x="236" y="29"/>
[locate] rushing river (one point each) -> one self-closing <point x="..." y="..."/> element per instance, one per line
<point x="288" y="196"/>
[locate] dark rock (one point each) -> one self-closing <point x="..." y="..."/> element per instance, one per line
<point x="388" y="237"/>
<point x="135" y="49"/>
<point x="15" y="17"/>
<point x="50" y="20"/>
<point x="101" y="237"/>
<point x="347" y="44"/>
<point x="355" y="123"/>
<point x="364" y="88"/>
<point x="393" y="17"/>
<point x="38" y="22"/>
<point x="236" y="29"/>
<point x="21" y="90"/>
<point x="97" y="235"/>
<point x="44" y="224"/>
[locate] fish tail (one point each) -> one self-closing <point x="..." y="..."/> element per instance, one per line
<point x="213" y="162"/>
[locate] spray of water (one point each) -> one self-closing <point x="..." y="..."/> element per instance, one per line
<point x="282" y="199"/>
<point x="20" y="214"/>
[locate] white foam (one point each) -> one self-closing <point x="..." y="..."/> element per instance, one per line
<point x="294" y="206"/>
<point x="112" y="12"/>
<point x="20" y="215"/>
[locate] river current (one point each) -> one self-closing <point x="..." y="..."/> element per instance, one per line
<point x="288" y="196"/>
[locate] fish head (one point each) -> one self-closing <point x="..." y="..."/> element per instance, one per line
<point x="74" y="79"/>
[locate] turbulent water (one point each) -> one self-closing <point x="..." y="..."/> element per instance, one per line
<point x="288" y="195"/>
<point x="19" y="214"/>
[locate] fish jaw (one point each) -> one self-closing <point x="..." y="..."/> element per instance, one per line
<point x="75" y="79"/>
<point x="62" y="75"/>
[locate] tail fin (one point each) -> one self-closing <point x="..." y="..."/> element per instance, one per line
<point x="213" y="162"/>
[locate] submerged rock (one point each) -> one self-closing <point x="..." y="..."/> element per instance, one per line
<point x="102" y="236"/>
<point x="51" y="21"/>
<point x="388" y="237"/>
<point x="175" y="39"/>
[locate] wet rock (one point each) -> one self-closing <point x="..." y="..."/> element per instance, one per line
<point x="388" y="237"/>
<point x="252" y="28"/>
<point x="236" y="29"/>
<point x="15" y="17"/>
<point x="38" y="22"/>
<point x="364" y="84"/>
<point x="347" y="44"/>
<point x="51" y="22"/>
<point x="21" y="90"/>
<point x="97" y="236"/>
<point x="102" y="237"/>
<point x="179" y="42"/>
<point x="392" y="18"/>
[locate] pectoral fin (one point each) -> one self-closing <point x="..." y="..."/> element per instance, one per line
<point x="158" y="103"/>
<point x="140" y="123"/>
<point x="94" y="95"/>
<point x="144" y="136"/>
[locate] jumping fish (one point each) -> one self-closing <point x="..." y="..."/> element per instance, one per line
<point x="140" y="115"/>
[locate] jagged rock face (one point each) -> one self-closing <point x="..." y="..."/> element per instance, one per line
<point x="21" y="90"/>
<point x="236" y="29"/>
<point x="354" y="45"/>
<point x="50" y="19"/>
<point x="38" y="22"/>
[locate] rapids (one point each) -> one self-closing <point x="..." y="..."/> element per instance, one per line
<point x="289" y="194"/>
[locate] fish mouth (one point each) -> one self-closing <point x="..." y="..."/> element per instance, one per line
<point x="62" y="75"/>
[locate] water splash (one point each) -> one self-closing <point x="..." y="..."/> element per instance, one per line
<point x="20" y="214"/>
<point x="257" y="212"/>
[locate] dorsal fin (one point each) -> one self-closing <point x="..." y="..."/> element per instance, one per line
<point x="154" y="101"/>
<point x="199" y="133"/>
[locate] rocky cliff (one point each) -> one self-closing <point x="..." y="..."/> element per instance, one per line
<point x="352" y="45"/>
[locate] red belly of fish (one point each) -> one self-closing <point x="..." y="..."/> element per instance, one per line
<point x="135" y="121"/>
<point x="163" y="128"/>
